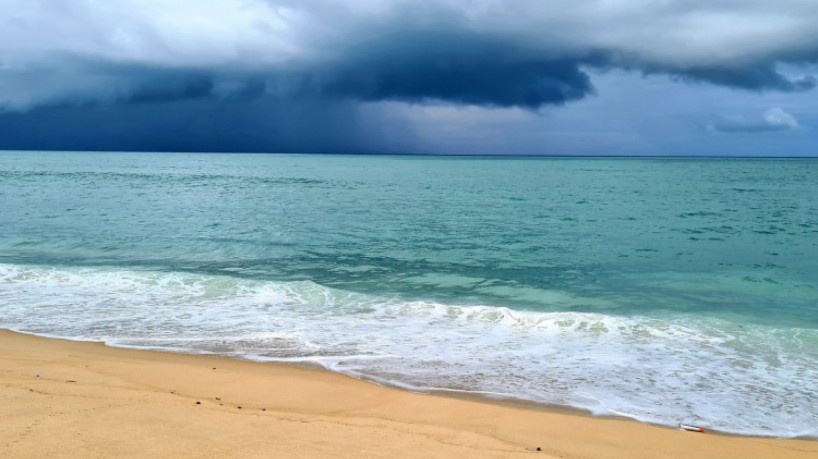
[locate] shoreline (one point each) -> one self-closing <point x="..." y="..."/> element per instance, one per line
<point x="75" y="398"/>
<point x="472" y="396"/>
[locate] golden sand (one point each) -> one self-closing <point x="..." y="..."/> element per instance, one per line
<point x="69" y="399"/>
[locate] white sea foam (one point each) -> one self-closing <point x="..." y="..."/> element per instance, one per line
<point x="748" y="379"/>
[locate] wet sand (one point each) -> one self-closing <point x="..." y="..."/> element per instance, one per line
<point x="71" y="399"/>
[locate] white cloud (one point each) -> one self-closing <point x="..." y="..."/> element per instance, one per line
<point x="777" y="117"/>
<point x="772" y="120"/>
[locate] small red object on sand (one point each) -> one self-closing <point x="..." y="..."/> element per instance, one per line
<point x="691" y="428"/>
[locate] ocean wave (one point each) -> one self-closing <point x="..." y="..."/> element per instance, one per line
<point x="734" y="377"/>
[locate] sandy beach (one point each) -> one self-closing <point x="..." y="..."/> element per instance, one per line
<point x="74" y="399"/>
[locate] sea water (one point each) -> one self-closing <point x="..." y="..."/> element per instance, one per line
<point x="665" y="290"/>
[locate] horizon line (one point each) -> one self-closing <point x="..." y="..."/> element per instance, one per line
<point x="445" y="155"/>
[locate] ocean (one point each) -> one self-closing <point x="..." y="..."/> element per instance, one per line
<point x="664" y="290"/>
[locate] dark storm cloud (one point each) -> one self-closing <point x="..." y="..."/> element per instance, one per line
<point x="757" y="77"/>
<point x="201" y="125"/>
<point x="457" y="67"/>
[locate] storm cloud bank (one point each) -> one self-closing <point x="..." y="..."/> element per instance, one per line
<point x="482" y="52"/>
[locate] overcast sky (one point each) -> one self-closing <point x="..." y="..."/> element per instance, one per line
<point x="559" y="77"/>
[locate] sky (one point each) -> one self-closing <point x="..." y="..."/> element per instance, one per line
<point x="555" y="77"/>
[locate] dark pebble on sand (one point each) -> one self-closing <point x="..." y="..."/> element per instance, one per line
<point x="198" y="402"/>
<point x="238" y="407"/>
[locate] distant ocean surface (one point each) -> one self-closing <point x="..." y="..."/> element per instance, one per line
<point x="665" y="290"/>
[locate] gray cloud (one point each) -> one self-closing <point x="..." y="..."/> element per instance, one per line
<point x="773" y="120"/>
<point x="759" y="76"/>
<point x="492" y="53"/>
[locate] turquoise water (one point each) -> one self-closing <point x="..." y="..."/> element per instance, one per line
<point x="666" y="290"/>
